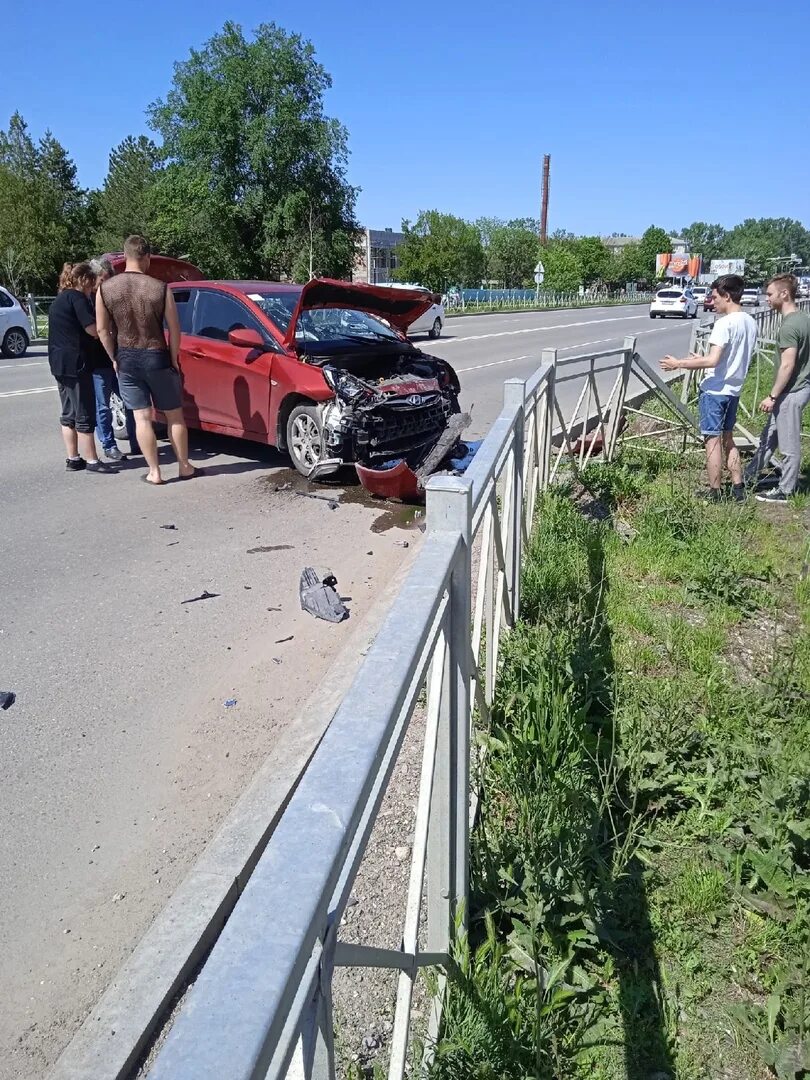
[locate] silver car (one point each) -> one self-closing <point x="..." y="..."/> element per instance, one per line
<point x="15" y="329"/>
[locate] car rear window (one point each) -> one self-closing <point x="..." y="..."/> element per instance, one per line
<point x="670" y="294"/>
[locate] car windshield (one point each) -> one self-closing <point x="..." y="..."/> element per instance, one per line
<point x="322" y="324"/>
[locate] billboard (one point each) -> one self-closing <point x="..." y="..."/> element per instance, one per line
<point x="676" y="266"/>
<point x="727" y="266"/>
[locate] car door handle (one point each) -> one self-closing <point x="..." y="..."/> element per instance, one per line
<point x="196" y="355"/>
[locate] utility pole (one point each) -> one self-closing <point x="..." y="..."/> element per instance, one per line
<point x="544" y="206"/>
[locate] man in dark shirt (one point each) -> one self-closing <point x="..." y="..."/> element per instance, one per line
<point x="71" y="330"/>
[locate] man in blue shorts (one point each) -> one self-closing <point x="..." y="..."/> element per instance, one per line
<point x="731" y="347"/>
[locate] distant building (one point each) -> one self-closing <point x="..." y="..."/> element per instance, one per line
<point x="617" y="244"/>
<point x="377" y="255"/>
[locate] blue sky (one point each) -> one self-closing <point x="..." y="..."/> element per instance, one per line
<point x="651" y="111"/>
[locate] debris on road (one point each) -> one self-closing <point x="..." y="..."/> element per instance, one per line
<point x="173" y="543"/>
<point x="7" y="699"/>
<point x="283" y="640"/>
<point x="271" y="547"/>
<point x="333" y="504"/>
<point x="445" y="444"/>
<point x="229" y="704"/>
<point x="401" y="543"/>
<point x="171" y="528"/>
<point x="118" y="896"/>
<point x="204" y="595"/>
<point x="318" y="595"/>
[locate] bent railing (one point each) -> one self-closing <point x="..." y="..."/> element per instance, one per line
<point x="262" y="1004"/>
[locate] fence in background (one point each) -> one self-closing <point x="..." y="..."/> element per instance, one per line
<point x="532" y="299"/>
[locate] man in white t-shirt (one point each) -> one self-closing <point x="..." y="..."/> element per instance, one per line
<point x="731" y="346"/>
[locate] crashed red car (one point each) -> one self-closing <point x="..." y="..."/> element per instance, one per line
<point x="323" y="371"/>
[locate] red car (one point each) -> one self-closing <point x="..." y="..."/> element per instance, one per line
<point x="323" y="371"/>
<point x="708" y="301"/>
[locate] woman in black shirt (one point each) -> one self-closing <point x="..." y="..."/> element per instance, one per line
<point x="71" y="330"/>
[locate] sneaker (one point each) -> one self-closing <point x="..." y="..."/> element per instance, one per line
<point x="710" y="495"/>
<point x="100" y="467"/>
<point x="75" y="464"/>
<point x="773" y="496"/>
<point x="738" y="492"/>
<point x="114" y="454"/>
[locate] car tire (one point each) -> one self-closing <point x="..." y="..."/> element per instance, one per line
<point x="435" y="330"/>
<point x="119" y="419"/>
<point x="304" y="437"/>
<point x="653" y="315"/>
<point x="15" y="343"/>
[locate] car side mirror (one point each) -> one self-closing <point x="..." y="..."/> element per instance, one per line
<point x="247" y="339"/>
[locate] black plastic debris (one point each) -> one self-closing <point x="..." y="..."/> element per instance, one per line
<point x="318" y="595"/>
<point x="283" y="640"/>
<point x="7" y="699"/>
<point x="445" y="444"/>
<point x="269" y="547"/>
<point x="204" y="595"/>
<point x="171" y="528"/>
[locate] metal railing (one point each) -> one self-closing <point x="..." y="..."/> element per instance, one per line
<point x="472" y="300"/>
<point x="262" y="1005"/>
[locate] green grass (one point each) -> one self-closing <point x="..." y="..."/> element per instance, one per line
<point x="640" y="902"/>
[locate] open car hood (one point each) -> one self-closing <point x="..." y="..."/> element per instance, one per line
<point x="399" y="307"/>
<point x="161" y="267"/>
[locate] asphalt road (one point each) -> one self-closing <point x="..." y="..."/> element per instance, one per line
<point x="119" y="758"/>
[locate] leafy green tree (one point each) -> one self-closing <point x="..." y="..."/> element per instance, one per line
<point x="250" y="157"/>
<point x="593" y="256"/>
<point x="763" y="241"/>
<point x="706" y="240"/>
<point x="563" y="269"/>
<point x="512" y="253"/>
<point x="654" y="241"/>
<point x="441" y="250"/>
<point x="42" y="207"/>
<point x="124" y="204"/>
<point x="626" y="267"/>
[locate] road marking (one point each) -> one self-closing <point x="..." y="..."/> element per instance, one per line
<point x="566" y="348"/>
<point x="33" y="363"/>
<point x="541" y="329"/>
<point x="33" y="390"/>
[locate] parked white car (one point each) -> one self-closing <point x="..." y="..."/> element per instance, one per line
<point x="673" y="300"/>
<point x="15" y="329"/>
<point x="751" y="298"/>
<point x="432" y="321"/>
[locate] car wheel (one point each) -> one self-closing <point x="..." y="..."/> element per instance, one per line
<point x="436" y="330"/>
<point x="653" y="315"/>
<point x="15" y="343"/>
<point x="304" y="437"/>
<point x="119" y="418"/>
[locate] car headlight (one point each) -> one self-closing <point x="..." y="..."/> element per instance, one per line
<point x="346" y="386"/>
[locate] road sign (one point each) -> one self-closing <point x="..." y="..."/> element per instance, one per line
<point x="539" y="273"/>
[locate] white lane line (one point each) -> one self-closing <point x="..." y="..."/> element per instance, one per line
<point x="33" y="363"/>
<point x="33" y="390"/>
<point x="566" y="348"/>
<point x="541" y="329"/>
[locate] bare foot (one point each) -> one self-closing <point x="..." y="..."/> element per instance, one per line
<point x="155" y="479"/>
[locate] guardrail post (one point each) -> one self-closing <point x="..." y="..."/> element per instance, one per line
<point x="449" y="509"/>
<point x="629" y="347"/>
<point x="548" y="356"/>
<point x="32" y="313"/>
<point x="514" y="396"/>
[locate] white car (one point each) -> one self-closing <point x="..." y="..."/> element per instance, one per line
<point x="751" y="298"/>
<point x="432" y="321"/>
<point x="15" y="329"/>
<point x="673" y="300"/>
<point x="700" y="292"/>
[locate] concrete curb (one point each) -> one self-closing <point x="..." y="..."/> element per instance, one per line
<point x="112" y="1040"/>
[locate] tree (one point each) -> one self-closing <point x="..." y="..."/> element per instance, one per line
<point x="124" y="204"/>
<point x="762" y="241"/>
<point x="593" y="256"/>
<point x="441" y="250"/>
<point x="512" y="253"/>
<point x="563" y="270"/>
<point x="248" y="151"/>
<point x="706" y="240"/>
<point x="654" y="241"/>
<point x="42" y="207"/>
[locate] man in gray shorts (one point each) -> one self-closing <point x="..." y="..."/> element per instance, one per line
<point x="130" y="310"/>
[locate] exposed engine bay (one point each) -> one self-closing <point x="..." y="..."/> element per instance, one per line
<point x="390" y="405"/>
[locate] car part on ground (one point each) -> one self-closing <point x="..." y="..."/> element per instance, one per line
<point x="319" y="596"/>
